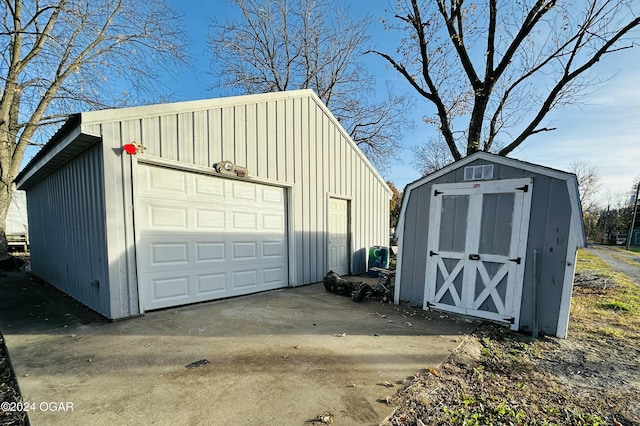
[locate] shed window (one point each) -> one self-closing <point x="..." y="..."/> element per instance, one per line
<point x="478" y="172"/>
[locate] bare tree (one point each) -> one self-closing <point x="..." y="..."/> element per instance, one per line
<point x="310" y="44"/>
<point x="588" y="183"/>
<point x="431" y="156"/>
<point x="588" y="187"/>
<point x="493" y="70"/>
<point x="59" y="56"/>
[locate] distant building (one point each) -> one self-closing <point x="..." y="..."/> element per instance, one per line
<point x="17" y="229"/>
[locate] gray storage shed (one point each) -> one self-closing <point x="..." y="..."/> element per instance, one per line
<point x="470" y="234"/>
<point x="291" y="198"/>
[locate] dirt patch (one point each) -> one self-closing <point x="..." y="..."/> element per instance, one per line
<point x="501" y="377"/>
<point x="498" y="377"/>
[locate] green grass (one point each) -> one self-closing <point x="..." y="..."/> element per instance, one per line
<point x="617" y="307"/>
<point x="590" y="261"/>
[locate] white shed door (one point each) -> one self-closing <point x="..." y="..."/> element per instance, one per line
<point x="203" y="237"/>
<point x="476" y="248"/>
<point x="339" y="236"/>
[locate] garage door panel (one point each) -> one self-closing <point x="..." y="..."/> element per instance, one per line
<point x="245" y="251"/>
<point x="273" y="249"/>
<point x="272" y="197"/>
<point x="244" y="279"/>
<point x="274" y="276"/>
<point x="210" y="219"/>
<point x="207" y="252"/>
<point x="211" y="283"/>
<point x="170" y="288"/>
<point x="243" y="191"/>
<point x="272" y="223"/>
<point x="162" y="183"/>
<point x="244" y="221"/>
<point x="221" y="238"/>
<point x="169" y="254"/>
<point x="209" y="187"/>
<point x="167" y="217"/>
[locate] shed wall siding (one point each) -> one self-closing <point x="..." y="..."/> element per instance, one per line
<point x="549" y="230"/>
<point x="67" y="229"/>
<point x="292" y="140"/>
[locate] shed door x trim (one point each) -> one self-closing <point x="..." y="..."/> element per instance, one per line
<point x="476" y="248"/>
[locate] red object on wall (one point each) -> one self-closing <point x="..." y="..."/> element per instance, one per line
<point x="130" y="148"/>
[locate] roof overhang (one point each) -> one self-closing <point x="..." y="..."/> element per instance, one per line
<point x="67" y="143"/>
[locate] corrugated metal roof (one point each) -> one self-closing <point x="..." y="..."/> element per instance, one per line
<point x="73" y="138"/>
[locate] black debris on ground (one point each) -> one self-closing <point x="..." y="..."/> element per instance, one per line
<point x="9" y="392"/>
<point x="11" y="264"/>
<point x="334" y="283"/>
<point x="589" y="279"/>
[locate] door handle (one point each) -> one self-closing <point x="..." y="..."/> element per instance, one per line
<point x="474" y="257"/>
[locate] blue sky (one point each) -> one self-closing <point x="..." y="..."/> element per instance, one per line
<point x="603" y="131"/>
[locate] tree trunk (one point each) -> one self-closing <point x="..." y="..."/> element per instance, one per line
<point x="5" y="201"/>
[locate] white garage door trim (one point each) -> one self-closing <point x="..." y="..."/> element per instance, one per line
<point x="247" y="252"/>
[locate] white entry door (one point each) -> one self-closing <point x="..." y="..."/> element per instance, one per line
<point x="204" y="237"/>
<point x="339" y="236"/>
<point x="476" y="248"/>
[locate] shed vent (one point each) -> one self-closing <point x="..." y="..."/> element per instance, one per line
<point x="478" y="172"/>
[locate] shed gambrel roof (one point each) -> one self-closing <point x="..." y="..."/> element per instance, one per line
<point x="570" y="179"/>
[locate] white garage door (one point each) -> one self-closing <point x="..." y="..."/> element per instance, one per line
<point x="204" y="237"/>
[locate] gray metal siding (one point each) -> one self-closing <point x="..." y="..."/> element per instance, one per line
<point x="67" y="229"/>
<point x="119" y="218"/>
<point x="549" y="230"/>
<point x="289" y="139"/>
<point x="414" y="245"/>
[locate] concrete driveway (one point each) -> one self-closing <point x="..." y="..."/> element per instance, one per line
<point x="281" y="357"/>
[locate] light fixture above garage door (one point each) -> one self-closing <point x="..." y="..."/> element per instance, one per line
<point x="228" y="168"/>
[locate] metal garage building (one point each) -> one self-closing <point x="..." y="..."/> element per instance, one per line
<point x="492" y="237"/>
<point x="129" y="233"/>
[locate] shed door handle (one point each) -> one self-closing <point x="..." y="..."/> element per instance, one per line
<point x="474" y="256"/>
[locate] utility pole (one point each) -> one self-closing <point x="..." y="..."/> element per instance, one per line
<point x="633" y="217"/>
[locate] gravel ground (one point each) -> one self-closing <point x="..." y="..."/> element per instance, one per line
<point x="630" y="266"/>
